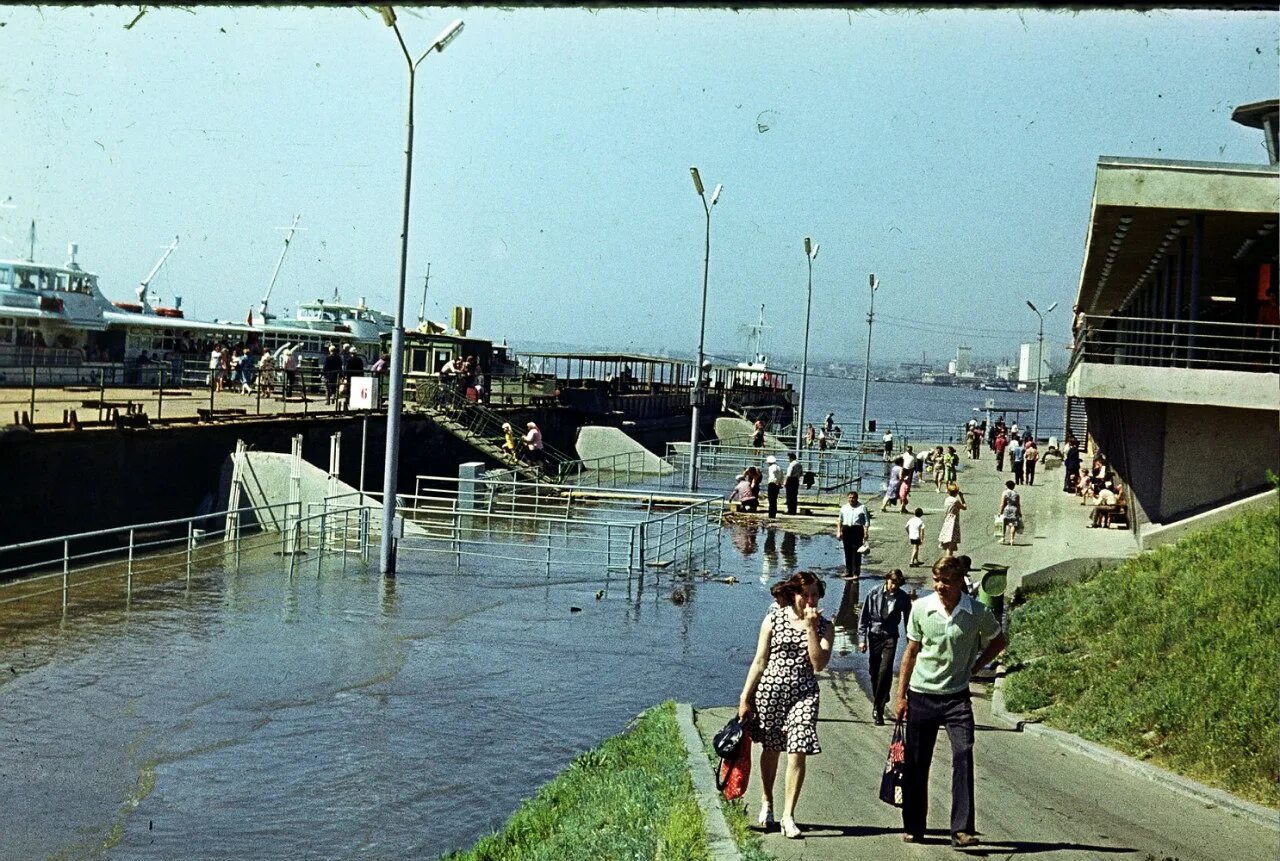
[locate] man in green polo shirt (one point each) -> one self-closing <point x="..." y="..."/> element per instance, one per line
<point x="949" y="635"/>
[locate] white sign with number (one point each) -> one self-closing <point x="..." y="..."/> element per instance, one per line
<point x="364" y="393"/>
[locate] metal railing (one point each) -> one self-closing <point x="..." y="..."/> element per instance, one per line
<point x="833" y="469"/>
<point x="107" y="395"/>
<point x="484" y="424"/>
<point x="1163" y="343"/>
<point x="558" y="525"/>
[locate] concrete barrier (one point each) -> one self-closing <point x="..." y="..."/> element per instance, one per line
<point x="607" y="449"/>
<point x="1159" y="534"/>
<point x="736" y="431"/>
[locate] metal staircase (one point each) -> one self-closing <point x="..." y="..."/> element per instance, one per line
<point x="1076" y="419"/>
<point x="481" y="428"/>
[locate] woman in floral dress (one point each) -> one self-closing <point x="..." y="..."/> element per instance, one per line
<point x="780" y="698"/>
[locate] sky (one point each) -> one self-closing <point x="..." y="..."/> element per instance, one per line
<point x="951" y="153"/>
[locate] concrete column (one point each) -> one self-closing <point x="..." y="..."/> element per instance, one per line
<point x="469" y="488"/>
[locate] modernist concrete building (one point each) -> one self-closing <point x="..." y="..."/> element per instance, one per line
<point x="1176" y="342"/>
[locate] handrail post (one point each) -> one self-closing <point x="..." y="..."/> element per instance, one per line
<point x="128" y="580"/>
<point x="160" y="397"/>
<point x="33" y="388"/>
<point x="237" y="546"/>
<point x="66" y="555"/>
<point x="191" y="540"/>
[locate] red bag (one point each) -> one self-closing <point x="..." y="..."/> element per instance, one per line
<point x="735" y="773"/>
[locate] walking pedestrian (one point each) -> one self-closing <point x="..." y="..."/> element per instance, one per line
<point x="292" y="361"/>
<point x="1030" y="455"/>
<point x="949" y="533"/>
<point x="809" y="436"/>
<point x="888" y="444"/>
<point x="1071" y="466"/>
<point x="975" y="443"/>
<point x="332" y="370"/>
<point x="851" y="531"/>
<point x="774" y="473"/>
<point x="794" y="469"/>
<point x="915" y="535"/>
<point x="780" y="698"/>
<point x="895" y="484"/>
<point x="951" y="462"/>
<point x="939" y="464"/>
<point x="949" y="635"/>
<point x="1010" y="513"/>
<point x="908" y="464"/>
<point x="1015" y="453"/>
<point x="885" y="609"/>
<point x="999" y="445"/>
<point x="757" y="436"/>
<point x="829" y="425"/>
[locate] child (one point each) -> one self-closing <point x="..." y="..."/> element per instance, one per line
<point x="915" y="532"/>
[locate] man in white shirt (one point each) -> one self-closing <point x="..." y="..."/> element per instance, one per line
<point x="851" y="531"/>
<point x="773" y="475"/>
<point x="908" y="465"/>
<point x="888" y="444"/>
<point x="794" y="471"/>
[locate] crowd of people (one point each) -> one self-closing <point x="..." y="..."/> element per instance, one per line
<point x="248" y="369"/>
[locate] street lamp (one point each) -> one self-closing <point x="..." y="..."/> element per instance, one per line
<point x="1035" y="423"/>
<point x="395" y="398"/>
<point x="866" y="374"/>
<point x="810" y="252"/>
<point x="696" y="394"/>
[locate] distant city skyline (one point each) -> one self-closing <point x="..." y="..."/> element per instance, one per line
<point x="950" y="152"/>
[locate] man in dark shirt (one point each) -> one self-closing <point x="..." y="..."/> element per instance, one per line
<point x="884" y="611"/>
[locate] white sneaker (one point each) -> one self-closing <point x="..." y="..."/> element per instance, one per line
<point x="789" y="828"/>
<point x="766" y="820"/>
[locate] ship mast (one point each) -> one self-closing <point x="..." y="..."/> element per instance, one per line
<point x="267" y="316"/>
<point x="758" y="335"/>
<point x="146" y="282"/>
<point x="422" y="311"/>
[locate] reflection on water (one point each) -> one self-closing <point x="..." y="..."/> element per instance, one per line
<point x="335" y="714"/>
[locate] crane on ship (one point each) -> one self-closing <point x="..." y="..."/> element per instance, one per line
<point x="146" y="282"/>
<point x="266" y="315"/>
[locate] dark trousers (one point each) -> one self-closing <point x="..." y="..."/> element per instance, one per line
<point x="793" y="494"/>
<point x="1000" y="461"/>
<point x="925" y="714"/>
<point x="852" y="539"/>
<point x="773" y="500"/>
<point x="1017" y="471"/>
<point x="880" y="654"/>
<point x="1030" y="467"/>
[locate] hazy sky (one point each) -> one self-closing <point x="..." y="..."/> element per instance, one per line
<point x="950" y="152"/>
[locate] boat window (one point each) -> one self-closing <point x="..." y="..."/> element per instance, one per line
<point x="418" y="362"/>
<point x="26" y="279"/>
<point x="6" y="277"/>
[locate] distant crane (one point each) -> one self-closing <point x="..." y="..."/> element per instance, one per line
<point x="267" y="316"/>
<point x="920" y="367"/>
<point x="146" y="282"/>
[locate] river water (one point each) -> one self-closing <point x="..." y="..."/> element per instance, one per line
<point x="337" y="715"/>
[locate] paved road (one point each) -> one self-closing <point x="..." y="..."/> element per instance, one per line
<point x="1035" y="799"/>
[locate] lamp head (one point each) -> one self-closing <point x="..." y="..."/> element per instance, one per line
<point x="814" y="255"/>
<point x="1032" y="306"/>
<point x="875" y="282"/>
<point x="447" y="35"/>
<point x="1051" y="307"/>
<point x="808" y="245"/>
<point x="715" y="195"/>
<point x="388" y="15"/>
<point x="697" y="180"/>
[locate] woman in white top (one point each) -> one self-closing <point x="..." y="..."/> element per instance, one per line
<point x="949" y="534"/>
<point x="1010" y="513"/>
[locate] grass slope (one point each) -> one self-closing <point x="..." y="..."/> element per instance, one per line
<point x="630" y="798"/>
<point x="1171" y="656"/>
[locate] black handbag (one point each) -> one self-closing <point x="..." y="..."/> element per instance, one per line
<point x="895" y="769"/>
<point x="726" y="743"/>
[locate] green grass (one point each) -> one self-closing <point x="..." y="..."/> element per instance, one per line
<point x="1169" y="657"/>
<point x="738" y="817"/>
<point x="630" y="798"/>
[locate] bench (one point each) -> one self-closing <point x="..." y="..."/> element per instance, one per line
<point x="1105" y="515"/>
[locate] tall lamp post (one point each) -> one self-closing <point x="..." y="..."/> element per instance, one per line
<point x="1035" y="423"/>
<point x="866" y="374"/>
<point x="696" y="393"/>
<point x="810" y="252"/>
<point x="395" y="398"/>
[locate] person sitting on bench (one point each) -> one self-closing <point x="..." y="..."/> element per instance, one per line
<point x="1108" y="504"/>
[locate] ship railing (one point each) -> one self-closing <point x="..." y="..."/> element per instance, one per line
<point x="623" y="469"/>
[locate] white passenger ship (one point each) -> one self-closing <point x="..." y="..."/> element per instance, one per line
<point x="58" y="316"/>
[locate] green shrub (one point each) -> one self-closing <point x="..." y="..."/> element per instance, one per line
<point x="1170" y="656"/>
<point x="631" y="797"/>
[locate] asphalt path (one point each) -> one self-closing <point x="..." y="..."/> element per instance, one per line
<point x="1035" y="799"/>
